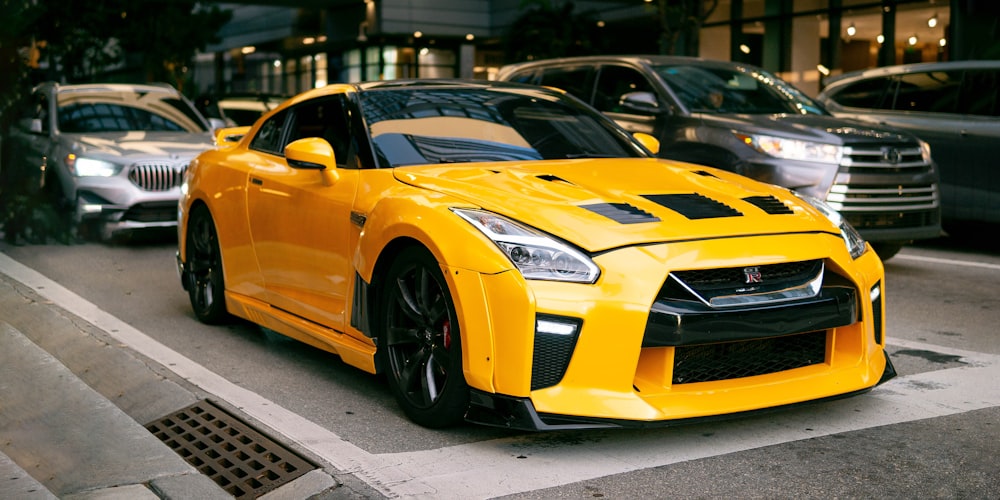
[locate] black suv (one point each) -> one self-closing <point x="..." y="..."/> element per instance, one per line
<point x="743" y="119"/>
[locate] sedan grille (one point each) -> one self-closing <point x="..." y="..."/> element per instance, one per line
<point x="157" y="176"/>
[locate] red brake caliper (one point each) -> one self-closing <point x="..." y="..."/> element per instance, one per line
<point x="446" y="329"/>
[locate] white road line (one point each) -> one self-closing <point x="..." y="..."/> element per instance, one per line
<point x="953" y="262"/>
<point x="536" y="461"/>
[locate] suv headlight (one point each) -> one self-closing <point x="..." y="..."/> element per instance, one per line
<point x="792" y="149"/>
<point x="536" y="255"/>
<point x="856" y="245"/>
<point x="925" y="151"/>
<point x="89" y="167"/>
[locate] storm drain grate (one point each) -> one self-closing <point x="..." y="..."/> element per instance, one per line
<point x="241" y="460"/>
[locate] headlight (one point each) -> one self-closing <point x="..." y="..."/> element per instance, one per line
<point x="925" y="151"/>
<point x="791" y="149"/>
<point x="855" y="243"/>
<point x="536" y="255"/>
<point x="88" y="167"/>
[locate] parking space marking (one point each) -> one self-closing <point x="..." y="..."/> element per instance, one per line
<point x="544" y="460"/>
<point x="953" y="262"/>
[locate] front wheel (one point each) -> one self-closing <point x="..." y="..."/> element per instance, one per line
<point x="420" y="341"/>
<point x="205" y="284"/>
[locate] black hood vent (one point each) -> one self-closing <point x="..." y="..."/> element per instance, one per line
<point x="621" y="212"/>
<point x="693" y="206"/>
<point x="769" y="204"/>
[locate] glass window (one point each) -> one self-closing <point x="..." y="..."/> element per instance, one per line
<point x="873" y="93"/>
<point x="324" y="118"/>
<point x="613" y="82"/>
<point x="576" y="80"/>
<point x="979" y="93"/>
<point x="723" y="89"/>
<point x="932" y="91"/>
<point x="268" y="138"/>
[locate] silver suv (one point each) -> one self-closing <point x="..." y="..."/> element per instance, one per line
<point x="954" y="106"/>
<point x="743" y="119"/>
<point x="110" y="156"/>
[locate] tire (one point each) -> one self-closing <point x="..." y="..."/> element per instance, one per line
<point x="420" y="343"/>
<point x="203" y="270"/>
<point x="886" y="250"/>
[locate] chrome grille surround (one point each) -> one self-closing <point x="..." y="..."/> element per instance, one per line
<point x="157" y="176"/>
<point x="847" y="194"/>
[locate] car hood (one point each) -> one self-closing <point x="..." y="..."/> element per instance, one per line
<point x="819" y="128"/>
<point x="600" y="204"/>
<point x="139" y="145"/>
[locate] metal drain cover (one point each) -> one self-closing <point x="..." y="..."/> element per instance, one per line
<point x="241" y="460"/>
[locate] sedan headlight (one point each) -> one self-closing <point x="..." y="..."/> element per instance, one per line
<point x="89" y="167"/>
<point x="791" y="149"/>
<point x="855" y="243"/>
<point x="536" y="255"/>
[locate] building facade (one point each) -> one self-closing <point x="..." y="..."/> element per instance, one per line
<point x="286" y="50"/>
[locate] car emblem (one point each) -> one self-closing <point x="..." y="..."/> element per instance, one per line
<point x="891" y="155"/>
<point x="752" y="275"/>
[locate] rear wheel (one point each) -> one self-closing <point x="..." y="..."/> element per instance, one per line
<point x="420" y="341"/>
<point x="203" y="272"/>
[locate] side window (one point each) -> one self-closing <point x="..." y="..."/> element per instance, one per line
<point x="615" y="81"/>
<point x="576" y="80"/>
<point x="523" y="77"/>
<point x="873" y="93"/>
<point x="932" y="91"/>
<point x="979" y="93"/>
<point x="268" y="138"/>
<point x="324" y="118"/>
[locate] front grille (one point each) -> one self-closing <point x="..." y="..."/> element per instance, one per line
<point x="861" y="220"/>
<point x="711" y="362"/>
<point x="708" y="282"/>
<point x="157" y="176"/>
<point x="239" y="459"/>
<point x="883" y="158"/>
<point x="856" y="198"/>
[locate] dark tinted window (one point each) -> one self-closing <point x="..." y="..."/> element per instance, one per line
<point x="523" y="77"/>
<point x="576" y="80"/>
<point x="268" y="138"/>
<point x="734" y="89"/>
<point x="873" y="93"/>
<point x="615" y="81"/>
<point x="979" y="93"/>
<point x="324" y="118"/>
<point x="932" y="91"/>
<point x="106" y="117"/>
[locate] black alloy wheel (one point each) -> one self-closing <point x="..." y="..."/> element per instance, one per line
<point x="420" y="341"/>
<point x="205" y="284"/>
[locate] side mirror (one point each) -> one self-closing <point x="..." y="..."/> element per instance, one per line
<point x="217" y="123"/>
<point x="648" y="141"/>
<point x="33" y="125"/>
<point x="640" y="102"/>
<point x="230" y="135"/>
<point x="310" y="153"/>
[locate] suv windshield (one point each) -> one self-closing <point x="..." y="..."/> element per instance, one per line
<point x="735" y="90"/>
<point x="411" y="127"/>
<point x="92" y="112"/>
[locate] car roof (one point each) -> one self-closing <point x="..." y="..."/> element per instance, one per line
<point x="636" y="59"/>
<point x="901" y="69"/>
<point x="112" y="87"/>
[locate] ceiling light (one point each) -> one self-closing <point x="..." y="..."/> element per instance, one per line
<point x="851" y="30"/>
<point x="913" y="39"/>
<point x="932" y="22"/>
<point x="880" y="38"/>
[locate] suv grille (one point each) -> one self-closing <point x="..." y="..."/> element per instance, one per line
<point x="883" y="203"/>
<point x="157" y="176"/>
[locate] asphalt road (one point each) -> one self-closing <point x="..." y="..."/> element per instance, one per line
<point x="933" y="432"/>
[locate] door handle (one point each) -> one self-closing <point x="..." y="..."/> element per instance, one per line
<point x="256" y="182"/>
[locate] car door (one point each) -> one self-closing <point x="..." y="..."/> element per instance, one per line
<point x="300" y="221"/>
<point x="32" y="144"/>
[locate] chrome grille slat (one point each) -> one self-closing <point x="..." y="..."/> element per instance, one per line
<point x="156" y="176"/>
<point x="874" y="157"/>
<point x="923" y="197"/>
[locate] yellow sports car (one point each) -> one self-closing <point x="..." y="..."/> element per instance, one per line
<point x="508" y="256"/>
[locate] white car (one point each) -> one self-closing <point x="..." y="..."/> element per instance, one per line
<point x="110" y="157"/>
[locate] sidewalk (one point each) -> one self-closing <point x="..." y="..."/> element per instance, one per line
<point x="72" y="408"/>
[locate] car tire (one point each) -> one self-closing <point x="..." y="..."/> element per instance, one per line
<point x="203" y="269"/>
<point x="886" y="251"/>
<point x="420" y="343"/>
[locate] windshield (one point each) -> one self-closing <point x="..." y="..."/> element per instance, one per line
<point x="421" y="126"/>
<point x="735" y="90"/>
<point x="92" y="112"/>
